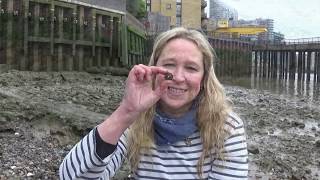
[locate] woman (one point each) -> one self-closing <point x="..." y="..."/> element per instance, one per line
<point x="178" y="127"/>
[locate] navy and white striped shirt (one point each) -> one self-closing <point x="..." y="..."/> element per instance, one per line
<point x="176" y="161"/>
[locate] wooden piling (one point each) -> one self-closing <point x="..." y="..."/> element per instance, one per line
<point x="9" y="28"/>
<point x="300" y="64"/>
<point x="318" y="65"/>
<point x="308" y="65"/>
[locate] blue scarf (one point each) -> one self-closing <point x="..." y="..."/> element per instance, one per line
<point x="169" y="130"/>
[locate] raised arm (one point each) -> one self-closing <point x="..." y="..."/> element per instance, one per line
<point x="100" y="153"/>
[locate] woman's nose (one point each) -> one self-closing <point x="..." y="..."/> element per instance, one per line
<point x="178" y="75"/>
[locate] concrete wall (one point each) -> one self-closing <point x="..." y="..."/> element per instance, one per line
<point x="191" y="14"/>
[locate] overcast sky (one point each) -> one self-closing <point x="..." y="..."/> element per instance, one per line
<point x="293" y="18"/>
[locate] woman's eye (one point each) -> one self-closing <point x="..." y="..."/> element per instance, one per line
<point x="168" y="65"/>
<point x="192" y="68"/>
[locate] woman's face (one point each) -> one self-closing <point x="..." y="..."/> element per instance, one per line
<point x="184" y="60"/>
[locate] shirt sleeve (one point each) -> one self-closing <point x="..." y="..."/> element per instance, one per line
<point x="235" y="163"/>
<point x="83" y="161"/>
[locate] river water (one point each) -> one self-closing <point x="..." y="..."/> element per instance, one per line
<point x="309" y="91"/>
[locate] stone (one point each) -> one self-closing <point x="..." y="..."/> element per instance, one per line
<point x="253" y="149"/>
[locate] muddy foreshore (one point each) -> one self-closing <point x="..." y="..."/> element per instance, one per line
<point x="42" y="115"/>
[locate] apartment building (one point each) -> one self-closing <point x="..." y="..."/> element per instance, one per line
<point x="186" y="13"/>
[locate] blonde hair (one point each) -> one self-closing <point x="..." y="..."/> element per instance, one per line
<point x="212" y="111"/>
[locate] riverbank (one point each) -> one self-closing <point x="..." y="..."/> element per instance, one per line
<point x="43" y="115"/>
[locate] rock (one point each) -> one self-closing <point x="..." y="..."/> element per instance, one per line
<point x="308" y="171"/>
<point x="317" y="143"/>
<point x="253" y="149"/>
<point x="313" y="128"/>
<point x="30" y="174"/>
<point x="300" y="125"/>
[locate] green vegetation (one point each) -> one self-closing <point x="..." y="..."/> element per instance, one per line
<point x="137" y="8"/>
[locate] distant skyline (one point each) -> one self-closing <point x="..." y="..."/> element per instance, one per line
<point x="293" y="18"/>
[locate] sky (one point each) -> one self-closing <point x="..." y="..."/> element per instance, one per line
<point x="293" y="18"/>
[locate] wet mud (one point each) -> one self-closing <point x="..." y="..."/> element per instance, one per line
<point x="42" y="115"/>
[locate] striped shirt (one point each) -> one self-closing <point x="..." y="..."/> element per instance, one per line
<point x="175" y="161"/>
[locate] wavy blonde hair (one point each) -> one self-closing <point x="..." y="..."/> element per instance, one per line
<point x="212" y="111"/>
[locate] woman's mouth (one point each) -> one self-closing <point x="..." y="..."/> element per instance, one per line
<point x="176" y="91"/>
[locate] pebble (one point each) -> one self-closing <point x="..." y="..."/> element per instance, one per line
<point x="30" y="174"/>
<point x="253" y="149"/>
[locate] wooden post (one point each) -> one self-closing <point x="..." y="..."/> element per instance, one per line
<point x="255" y="63"/>
<point x="71" y="58"/>
<point x="111" y="41"/>
<point x="81" y="37"/>
<point x="292" y="65"/>
<point x="9" y="43"/>
<point x="93" y="31"/>
<point x="261" y="63"/>
<point x="60" y="34"/>
<point x="275" y="72"/>
<point x="36" y="60"/>
<point x="51" y="56"/>
<point x="281" y="65"/>
<point x="303" y="65"/>
<point x="23" y="63"/>
<point x="318" y="66"/>
<point x="265" y="55"/>
<point x="99" y="22"/>
<point x="300" y="61"/>
<point x="315" y="65"/>
<point x="124" y="45"/>
<point x="286" y="65"/>
<point x="308" y="66"/>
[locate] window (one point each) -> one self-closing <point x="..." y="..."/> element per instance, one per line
<point x="178" y="12"/>
<point x="178" y="23"/>
<point x="178" y="1"/>
<point x="168" y="6"/>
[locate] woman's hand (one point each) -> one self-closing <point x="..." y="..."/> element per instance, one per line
<point x="139" y="93"/>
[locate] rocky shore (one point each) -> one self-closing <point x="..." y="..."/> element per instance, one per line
<point x="42" y="115"/>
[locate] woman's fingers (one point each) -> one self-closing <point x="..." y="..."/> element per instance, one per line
<point x="143" y="72"/>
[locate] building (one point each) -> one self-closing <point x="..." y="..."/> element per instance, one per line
<point x="186" y="13"/>
<point x="268" y="23"/>
<point x="220" y="11"/>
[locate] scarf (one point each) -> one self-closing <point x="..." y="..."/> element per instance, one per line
<point x="169" y="130"/>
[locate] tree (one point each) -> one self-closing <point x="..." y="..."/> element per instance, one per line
<point x="137" y="8"/>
